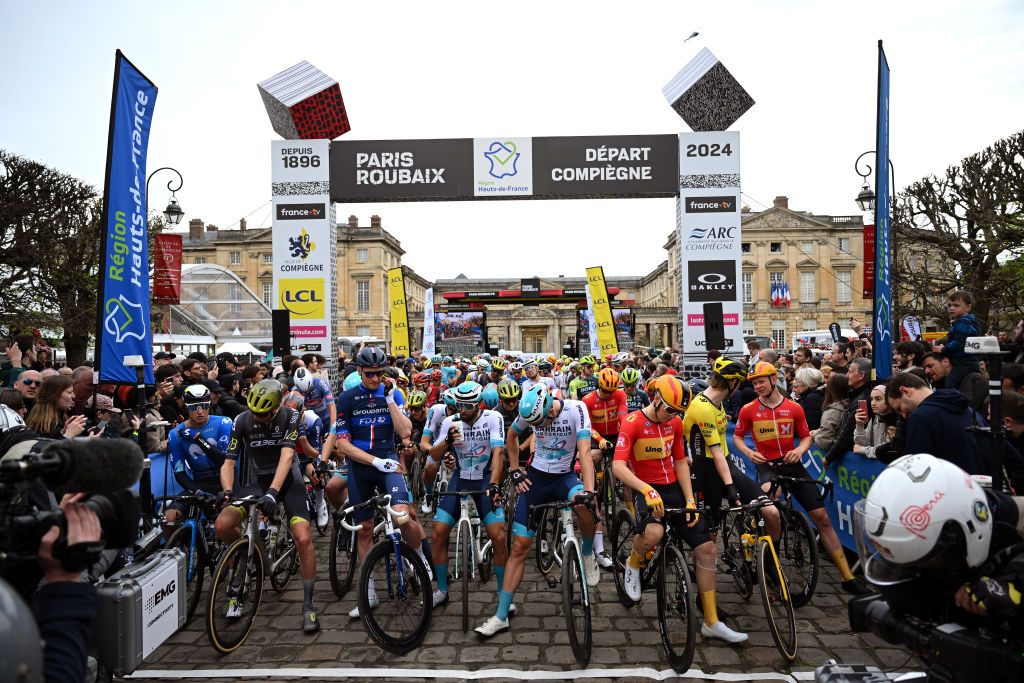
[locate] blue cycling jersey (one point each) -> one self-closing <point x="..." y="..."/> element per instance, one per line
<point x="448" y="374"/>
<point x="187" y="456"/>
<point x="314" y="429"/>
<point x="364" y="419"/>
<point x="318" y="398"/>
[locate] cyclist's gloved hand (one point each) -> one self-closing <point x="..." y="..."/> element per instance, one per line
<point x="389" y="393"/>
<point x="494" y="493"/>
<point x="322" y="468"/>
<point x="654" y="500"/>
<point x="518" y="477"/>
<point x="583" y="497"/>
<point x="606" y="446"/>
<point x="268" y="503"/>
<point x="732" y="494"/>
<point x="223" y="497"/>
<point x="188" y="433"/>
<point x="385" y="465"/>
<point x="996" y="597"/>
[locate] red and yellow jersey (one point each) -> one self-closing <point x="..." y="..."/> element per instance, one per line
<point x="776" y="430"/>
<point x="606" y="416"/>
<point x="651" y="448"/>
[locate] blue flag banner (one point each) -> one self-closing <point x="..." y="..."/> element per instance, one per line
<point x="123" y="327"/>
<point x="883" y="323"/>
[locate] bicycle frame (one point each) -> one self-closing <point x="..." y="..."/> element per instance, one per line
<point x="390" y="532"/>
<point x="749" y="541"/>
<point x="472" y="526"/>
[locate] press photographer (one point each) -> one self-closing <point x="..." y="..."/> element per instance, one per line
<point x="947" y="556"/>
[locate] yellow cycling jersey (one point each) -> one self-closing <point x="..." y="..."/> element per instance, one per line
<point x="704" y="426"/>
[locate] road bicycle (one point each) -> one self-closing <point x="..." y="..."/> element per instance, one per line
<point x="798" y="545"/>
<point x="196" y="538"/>
<point x="750" y="556"/>
<point x="399" y="622"/>
<point x="416" y="488"/>
<point x="444" y="474"/>
<point x="548" y="547"/>
<point x="473" y="550"/>
<point x="609" y="489"/>
<point x="315" y="495"/>
<point x="666" y="571"/>
<point x="575" y="592"/>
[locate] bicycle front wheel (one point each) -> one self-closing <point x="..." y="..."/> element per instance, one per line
<point x="623" y="532"/>
<point x="341" y="562"/>
<point x="576" y="602"/>
<point x="676" y="614"/>
<point x="399" y="622"/>
<point x="235" y="595"/>
<point x="195" y="566"/>
<point x="798" y="555"/>
<point x="775" y="598"/>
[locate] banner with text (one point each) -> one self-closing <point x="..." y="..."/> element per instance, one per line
<point x="399" y="313"/>
<point x="429" y="345"/>
<point x="882" y="341"/>
<point x="710" y="247"/>
<point x="602" y="311"/>
<point x="304" y="243"/>
<point x="167" y="268"/>
<point x="122" y="327"/>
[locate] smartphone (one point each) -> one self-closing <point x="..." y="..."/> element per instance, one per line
<point x="128" y="415"/>
<point x="862" y="405"/>
<point x="211" y="364"/>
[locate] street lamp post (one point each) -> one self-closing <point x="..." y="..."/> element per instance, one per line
<point x="866" y="197"/>
<point x="173" y="213"/>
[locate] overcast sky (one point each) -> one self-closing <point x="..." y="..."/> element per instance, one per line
<point x="456" y="69"/>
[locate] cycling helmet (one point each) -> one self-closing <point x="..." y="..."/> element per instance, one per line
<point x="535" y="405"/>
<point x="426" y="363"/>
<point x="530" y="365"/>
<point x="391" y="371"/>
<point x="9" y="417"/>
<point x="573" y="365"/>
<point x="673" y="391"/>
<point x="449" y="398"/>
<point x="352" y="380"/>
<point x="447" y="359"/>
<point x="420" y="378"/>
<point x="649" y="387"/>
<point x="608" y="380"/>
<point x="467" y="395"/>
<point x="437" y="358"/>
<point x="371" y="357"/>
<point x="920" y="505"/>
<point x="698" y="385"/>
<point x="401" y="379"/>
<point x="545" y="365"/>
<point x="198" y="393"/>
<point x="630" y="376"/>
<point x="621" y="358"/>
<point x="486" y="357"/>
<point x="515" y="367"/>
<point x="727" y="368"/>
<point x="509" y="389"/>
<point x="417" y="399"/>
<point x="499" y="363"/>
<point x="481" y="365"/>
<point x="587" y="360"/>
<point x="435" y="374"/>
<point x="265" y="396"/>
<point x="303" y="379"/>
<point x="490" y="396"/>
<point x="294" y="400"/>
<point x="763" y="369"/>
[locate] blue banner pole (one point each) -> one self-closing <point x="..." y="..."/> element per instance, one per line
<point x="882" y="327"/>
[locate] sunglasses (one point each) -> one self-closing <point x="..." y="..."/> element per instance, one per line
<point x="198" y="406"/>
<point x="671" y="411"/>
<point x="372" y="373"/>
<point x="510" y="400"/>
<point x="467" y="406"/>
<point x="31" y="382"/>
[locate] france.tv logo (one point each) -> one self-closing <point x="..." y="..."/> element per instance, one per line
<point x="503" y="158"/>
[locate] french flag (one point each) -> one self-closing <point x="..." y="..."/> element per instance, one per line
<point x="785" y="295"/>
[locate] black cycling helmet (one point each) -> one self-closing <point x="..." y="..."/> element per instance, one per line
<point x="727" y="368"/>
<point x="370" y="357"/>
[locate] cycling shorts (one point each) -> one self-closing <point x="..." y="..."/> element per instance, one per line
<point x="808" y="495"/>
<point x="292" y="494"/>
<point x="672" y="497"/>
<point x="342" y="471"/>
<point x="710" y="490"/>
<point x="544" y="488"/>
<point x="448" y="506"/>
<point x="364" y="481"/>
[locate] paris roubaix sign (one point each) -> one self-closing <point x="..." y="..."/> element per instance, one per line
<point x="580" y="167"/>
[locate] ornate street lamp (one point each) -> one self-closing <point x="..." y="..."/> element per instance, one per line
<point x="173" y="213"/>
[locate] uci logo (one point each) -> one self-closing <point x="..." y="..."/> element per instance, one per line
<point x="303" y="297"/>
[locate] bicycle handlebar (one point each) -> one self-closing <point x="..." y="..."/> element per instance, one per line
<point x="381" y="501"/>
<point x="777" y="482"/>
<point x="586" y="498"/>
<point x="463" y="493"/>
<point x="756" y="504"/>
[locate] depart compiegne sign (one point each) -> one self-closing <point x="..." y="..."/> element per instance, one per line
<point x="505" y="168"/>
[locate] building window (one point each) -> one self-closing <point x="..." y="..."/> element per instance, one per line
<point x="807" y="294"/>
<point x="268" y="259"/>
<point x="844" y="290"/>
<point x="199" y="259"/>
<point x="776" y="247"/>
<point x="806" y="247"/>
<point x="362" y="255"/>
<point x="748" y="288"/>
<point x="776" y="277"/>
<point x="234" y="257"/>
<point x="746" y="247"/>
<point x="810" y="323"/>
<point x="363" y="296"/>
<point x="779" y="334"/>
<point x="363" y="331"/>
<point x="235" y="306"/>
<point x="268" y="294"/>
<point x="748" y="331"/>
<point x="844" y="244"/>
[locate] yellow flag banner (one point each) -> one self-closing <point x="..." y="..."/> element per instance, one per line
<point x="399" y="314"/>
<point x="602" y="311"/>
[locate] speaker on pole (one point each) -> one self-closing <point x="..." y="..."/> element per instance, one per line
<point x="714" y="327"/>
<point x="282" y="334"/>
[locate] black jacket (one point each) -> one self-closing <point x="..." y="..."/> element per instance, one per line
<point x="65" y="613"/>
<point x="811" y="401"/>
<point x="844" y="441"/>
<point x="229" y="406"/>
<point x="939" y="426"/>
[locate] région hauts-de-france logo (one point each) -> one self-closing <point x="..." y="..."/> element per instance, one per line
<point x="503" y="157"/>
<point x="301" y="246"/>
<point x="124" y="319"/>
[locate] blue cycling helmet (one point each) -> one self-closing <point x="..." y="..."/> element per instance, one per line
<point x="486" y="357"/>
<point x="449" y="399"/>
<point x="448" y="359"/>
<point x="490" y="396"/>
<point x="467" y="394"/>
<point x="353" y="380"/>
<point x="535" y="405"/>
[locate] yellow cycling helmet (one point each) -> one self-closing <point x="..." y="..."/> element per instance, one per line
<point x="763" y="369"/>
<point x="264" y="397"/>
<point x="673" y="391"/>
<point x="630" y="376"/>
<point x="498" y="363"/>
<point x="426" y="363"/>
<point x="417" y="399"/>
<point x="727" y="368"/>
<point x="608" y="380"/>
<point x="509" y="389"/>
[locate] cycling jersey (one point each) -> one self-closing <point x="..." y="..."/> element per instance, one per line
<point x="606" y="415"/>
<point x="318" y="398"/>
<point x="478" y="440"/>
<point x="546" y="381"/>
<point x="448" y="374"/>
<point x="259" y="445"/>
<point x="555" y="442"/>
<point x="187" y="456"/>
<point x="435" y="416"/>
<point x="581" y="386"/>
<point x="417" y="429"/>
<point x="314" y="429"/>
<point x="434" y="392"/>
<point x="364" y="419"/>
<point x="704" y="426"/>
<point x="637" y="401"/>
<point x="651" y="448"/>
<point x="776" y="429"/>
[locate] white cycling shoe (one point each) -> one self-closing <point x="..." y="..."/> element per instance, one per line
<point x="722" y="632"/>
<point x="440" y="597"/>
<point x="425" y="506"/>
<point x="354" y="613"/>
<point x="492" y="626"/>
<point x="591" y="570"/>
<point x="323" y="513"/>
<point x="632" y="581"/>
<point x="604" y="559"/>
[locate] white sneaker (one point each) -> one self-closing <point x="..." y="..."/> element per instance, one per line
<point x="492" y="626"/>
<point x="722" y="632"/>
<point x="440" y="597"/>
<point x="354" y="613"/>
<point x="604" y="559"/>
<point x="323" y="514"/>
<point x="591" y="570"/>
<point x="632" y="581"/>
<point x="425" y="506"/>
<point x="234" y="610"/>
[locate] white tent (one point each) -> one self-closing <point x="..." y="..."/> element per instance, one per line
<point x="240" y="349"/>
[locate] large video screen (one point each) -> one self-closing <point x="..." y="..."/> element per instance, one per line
<point x="461" y="332"/>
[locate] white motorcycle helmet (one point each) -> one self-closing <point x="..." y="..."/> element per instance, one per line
<point x="303" y="379"/>
<point x="915" y="508"/>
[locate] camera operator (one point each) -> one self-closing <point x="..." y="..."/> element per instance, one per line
<point x="947" y="556"/>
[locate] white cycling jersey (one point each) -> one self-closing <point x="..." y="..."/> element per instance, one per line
<point x="555" y="440"/>
<point x="478" y="440"/>
<point x="546" y="381"/>
<point x="435" y="416"/>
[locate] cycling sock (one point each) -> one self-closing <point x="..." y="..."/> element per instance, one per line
<point x="599" y="542"/>
<point x="425" y="546"/>
<point x="710" y="608"/>
<point x="422" y="556"/>
<point x="588" y="546"/>
<point x="371" y="590"/>
<point x="307" y="593"/>
<point x="504" y="602"/>
<point x="839" y="560"/>
<point x="441" y="572"/>
<point x="499" y="573"/>
<point x="636" y="560"/>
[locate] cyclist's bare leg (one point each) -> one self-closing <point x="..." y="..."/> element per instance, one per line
<point x="585" y="519"/>
<point x="439" y="535"/>
<point x="496" y="532"/>
<point x="336" y="491"/>
<point x="642" y="543"/>
<point x="515" y="566"/>
<point x="304" y="545"/>
<point x="365" y="538"/>
<point x="228" y="525"/>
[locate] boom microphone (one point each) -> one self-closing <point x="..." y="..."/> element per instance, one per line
<point x="86" y="465"/>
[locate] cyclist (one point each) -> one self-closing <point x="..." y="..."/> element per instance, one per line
<point x="317" y="393"/>
<point x="509" y="394"/>
<point x="435" y="417"/>
<point x="197" y="447"/>
<point x="619" y="361"/>
<point x="496" y="373"/>
<point x="776" y="423"/>
<point x="515" y="371"/>
<point x="417" y="405"/>
<point x="635" y="400"/>
<point x="607" y="409"/>
<point x="369" y="415"/>
<point x="562" y="431"/>
<point x="479" y="375"/>
<point x="477" y="437"/>
<point x="436" y="387"/>
<point x="653" y="445"/>
<point x="531" y="369"/>
<point x="263" y="438"/>
<point x="448" y="370"/>
<point x="586" y="382"/>
<point x="307" y="449"/>
<point x="490" y="397"/>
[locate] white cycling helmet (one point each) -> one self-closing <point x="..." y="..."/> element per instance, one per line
<point x="303" y="379"/>
<point x="919" y="505"/>
<point x="9" y="418"/>
<point x="482" y="365"/>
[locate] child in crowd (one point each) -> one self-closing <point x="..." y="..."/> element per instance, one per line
<point x="964" y="325"/>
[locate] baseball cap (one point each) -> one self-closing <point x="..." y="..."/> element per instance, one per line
<point x="163" y="355"/>
<point x="199" y="356"/>
<point x="227" y="356"/>
<point x="103" y="403"/>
